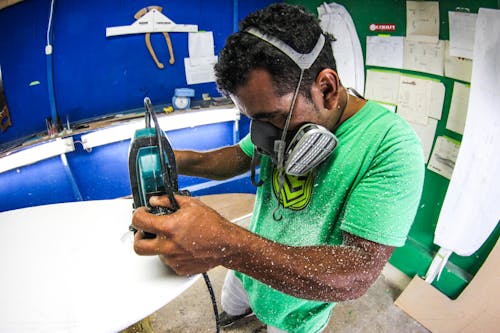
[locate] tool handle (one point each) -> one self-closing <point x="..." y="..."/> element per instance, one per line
<point x="158" y="210"/>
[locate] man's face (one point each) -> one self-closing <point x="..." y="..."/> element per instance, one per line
<point x="257" y="100"/>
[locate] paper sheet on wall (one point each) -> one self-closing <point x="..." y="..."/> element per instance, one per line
<point x="422" y="21"/>
<point x="471" y="208"/>
<point x="426" y="133"/>
<point x="456" y="67"/>
<point x="462" y="30"/>
<point x="424" y="57"/>
<point x="199" y="67"/>
<point x="385" y="51"/>
<point x="201" y="44"/>
<point x="444" y="156"/>
<point x="382" y="86"/>
<point x="458" y="108"/>
<point x="420" y="99"/>
<point x="336" y="20"/>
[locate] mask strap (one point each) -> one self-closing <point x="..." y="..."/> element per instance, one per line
<point x="279" y="148"/>
<point x="355" y="93"/>
<point x="303" y="61"/>
<point x="255" y="162"/>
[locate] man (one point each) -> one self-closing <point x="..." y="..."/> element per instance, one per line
<point x="317" y="237"/>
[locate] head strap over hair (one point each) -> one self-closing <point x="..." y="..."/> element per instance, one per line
<point x="303" y="60"/>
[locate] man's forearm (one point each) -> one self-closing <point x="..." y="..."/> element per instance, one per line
<point x="218" y="164"/>
<point x="190" y="163"/>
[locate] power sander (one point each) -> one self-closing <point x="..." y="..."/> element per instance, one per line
<point x="152" y="167"/>
<point x="153" y="172"/>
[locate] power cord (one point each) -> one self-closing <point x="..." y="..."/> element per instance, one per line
<point x="214" y="301"/>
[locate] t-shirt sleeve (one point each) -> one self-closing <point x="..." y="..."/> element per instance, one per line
<point x="383" y="204"/>
<point x="246" y="145"/>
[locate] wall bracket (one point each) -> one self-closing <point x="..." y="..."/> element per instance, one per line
<point x="152" y="21"/>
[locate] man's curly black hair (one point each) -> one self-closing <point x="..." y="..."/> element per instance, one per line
<point x="244" y="52"/>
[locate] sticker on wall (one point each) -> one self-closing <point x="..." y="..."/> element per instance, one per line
<point x="382" y="27"/>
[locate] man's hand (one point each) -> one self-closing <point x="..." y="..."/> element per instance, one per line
<point x="190" y="240"/>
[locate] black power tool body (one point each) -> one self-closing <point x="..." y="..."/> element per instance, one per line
<point x="153" y="172"/>
<point x="152" y="167"/>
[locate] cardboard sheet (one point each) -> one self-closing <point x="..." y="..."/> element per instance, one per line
<point x="476" y="309"/>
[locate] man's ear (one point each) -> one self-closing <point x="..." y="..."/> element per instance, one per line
<point x="328" y="84"/>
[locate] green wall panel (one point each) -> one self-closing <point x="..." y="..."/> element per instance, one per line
<point x="416" y="256"/>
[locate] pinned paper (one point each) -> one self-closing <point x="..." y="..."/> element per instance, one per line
<point x="382" y="86"/>
<point x="385" y="51"/>
<point x="458" y="107"/>
<point x="199" y="67"/>
<point x="426" y="133"/>
<point x="424" y="56"/>
<point x="462" y="30"/>
<point x="198" y="72"/>
<point x="456" y="67"/>
<point x="444" y="156"/>
<point x="422" y="21"/>
<point x="201" y="44"/>
<point x="420" y="99"/>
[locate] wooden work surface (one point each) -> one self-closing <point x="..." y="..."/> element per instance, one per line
<point x="476" y="309"/>
<point x="71" y="267"/>
<point x="233" y="206"/>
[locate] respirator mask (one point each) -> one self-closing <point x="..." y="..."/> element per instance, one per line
<point x="297" y="152"/>
<point x="294" y="153"/>
<point x="305" y="148"/>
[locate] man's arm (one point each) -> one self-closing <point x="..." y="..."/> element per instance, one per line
<point x="196" y="238"/>
<point x="221" y="163"/>
<point x="322" y="273"/>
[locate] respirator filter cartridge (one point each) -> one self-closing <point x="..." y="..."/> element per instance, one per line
<point x="310" y="146"/>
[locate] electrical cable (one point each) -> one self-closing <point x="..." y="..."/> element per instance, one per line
<point x="214" y="301"/>
<point x="49" y="27"/>
<point x="50" y="70"/>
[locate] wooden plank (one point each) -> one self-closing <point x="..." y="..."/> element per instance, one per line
<point x="7" y="3"/>
<point x="476" y="309"/>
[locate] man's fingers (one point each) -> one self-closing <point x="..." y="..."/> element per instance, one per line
<point x="153" y="246"/>
<point x="143" y="220"/>
<point x="164" y="200"/>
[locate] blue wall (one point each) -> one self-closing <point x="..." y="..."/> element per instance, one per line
<point x="102" y="173"/>
<point x="95" y="75"/>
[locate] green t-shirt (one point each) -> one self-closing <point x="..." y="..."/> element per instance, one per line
<point x="370" y="187"/>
